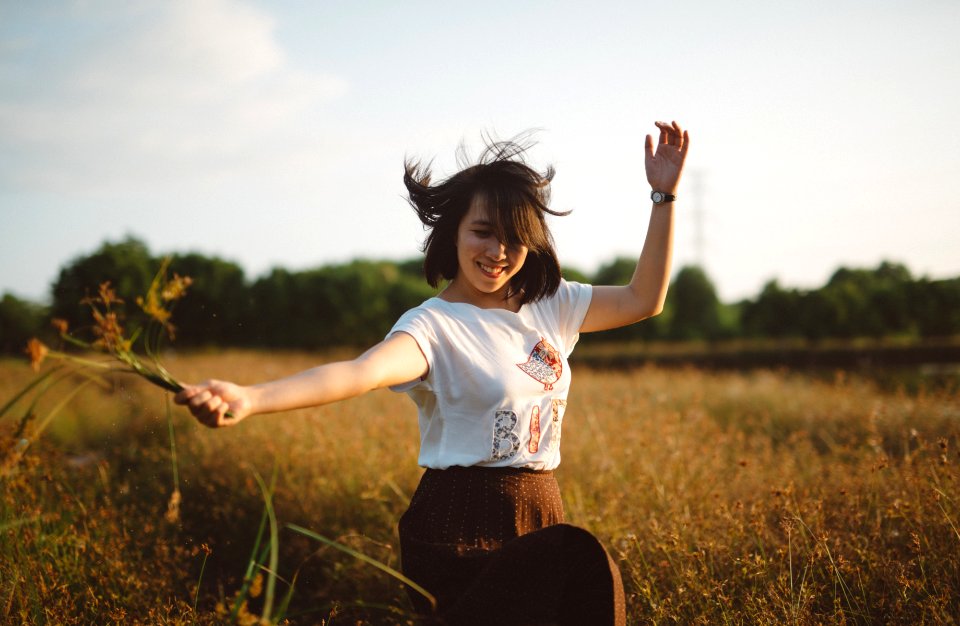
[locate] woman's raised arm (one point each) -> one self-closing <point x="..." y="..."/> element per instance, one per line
<point x="643" y="297"/>
<point x="394" y="360"/>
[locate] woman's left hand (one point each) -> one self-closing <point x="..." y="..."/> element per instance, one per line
<point x="666" y="164"/>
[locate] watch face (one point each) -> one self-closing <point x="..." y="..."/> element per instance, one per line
<point x="657" y="197"/>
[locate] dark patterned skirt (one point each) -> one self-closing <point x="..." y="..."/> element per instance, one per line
<point x="490" y="544"/>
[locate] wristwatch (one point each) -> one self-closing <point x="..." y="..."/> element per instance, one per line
<point x="659" y="197"/>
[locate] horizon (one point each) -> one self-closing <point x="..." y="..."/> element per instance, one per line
<point x="250" y="279"/>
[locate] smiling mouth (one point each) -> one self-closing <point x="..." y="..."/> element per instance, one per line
<point x="492" y="271"/>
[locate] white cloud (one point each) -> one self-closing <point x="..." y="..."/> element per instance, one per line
<point x="185" y="91"/>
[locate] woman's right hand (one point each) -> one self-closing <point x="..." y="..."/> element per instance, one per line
<point x="210" y="402"/>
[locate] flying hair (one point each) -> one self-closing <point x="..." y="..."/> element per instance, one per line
<point x="516" y="198"/>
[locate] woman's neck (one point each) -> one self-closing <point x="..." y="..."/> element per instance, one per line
<point x="465" y="293"/>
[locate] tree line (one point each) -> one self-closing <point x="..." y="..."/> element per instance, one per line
<point x="356" y="303"/>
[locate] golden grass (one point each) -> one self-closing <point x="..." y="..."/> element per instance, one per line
<point x="748" y="498"/>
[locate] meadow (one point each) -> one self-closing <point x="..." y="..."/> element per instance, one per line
<point x="760" y="497"/>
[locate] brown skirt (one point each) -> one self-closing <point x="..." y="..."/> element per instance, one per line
<point x="490" y="545"/>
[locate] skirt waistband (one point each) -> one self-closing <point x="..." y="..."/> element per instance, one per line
<point x="505" y="471"/>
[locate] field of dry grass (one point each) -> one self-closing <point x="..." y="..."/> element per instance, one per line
<point x="744" y="498"/>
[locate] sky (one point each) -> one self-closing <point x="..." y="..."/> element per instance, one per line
<point x="273" y="134"/>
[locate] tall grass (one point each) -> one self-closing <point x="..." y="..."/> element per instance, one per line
<point x="759" y="497"/>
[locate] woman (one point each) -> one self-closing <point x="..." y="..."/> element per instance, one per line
<point x="486" y="363"/>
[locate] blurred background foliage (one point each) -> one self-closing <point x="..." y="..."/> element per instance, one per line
<point x="356" y="303"/>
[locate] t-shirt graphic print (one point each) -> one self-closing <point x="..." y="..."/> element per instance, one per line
<point x="544" y="364"/>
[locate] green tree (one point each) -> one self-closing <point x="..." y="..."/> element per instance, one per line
<point x="273" y="298"/>
<point x="126" y="264"/>
<point x="411" y="268"/>
<point x="349" y="304"/>
<point x="866" y="302"/>
<point x="773" y="314"/>
<point x="819" y="314"/>
<point x="619" y="272"/>
<point x="890" y="296"/>
<point x="217" y="304"/>
<point x="696" y="308"/>
<point x="935" y="307"/>
<point x="574" y="275"/>
<point x="19" y="321"/>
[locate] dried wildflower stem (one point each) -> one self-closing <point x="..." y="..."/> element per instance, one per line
<point x="29" y="387"/>
<point x="134" y="366"/>
<point x="31" y="411"/>
<point x="366" y="559"/>
<point x="160" y="379"/>
<point x="18" y="451"/>
<point x="852" y="605"/>
<point x="953" y="526"/>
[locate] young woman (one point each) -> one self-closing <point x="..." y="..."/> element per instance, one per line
<point x="486" y="363"/>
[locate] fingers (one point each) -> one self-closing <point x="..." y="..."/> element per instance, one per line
<point x="184" y="395"/>
<point x="665" y="130"/>
<point x="648" y="147"/>
<point x="671" y="134"/>
<point x="205" y="403"/>
<point x="211" y="412"/>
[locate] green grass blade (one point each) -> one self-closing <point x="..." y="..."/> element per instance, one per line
<point x="76" y="342"/>
<point x="274" y="543"/>
<point x="203" y="566"/>
<point x="366" y="559"/>
<point x="251" y="567"/>
<point x="285" y="602"/>
<point x="173" y="444"/>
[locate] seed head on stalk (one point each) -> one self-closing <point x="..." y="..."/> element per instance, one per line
<point x="60" y="325"/>
<point x="108" y="336"/>
<point x="162" y="294"/>
<point x="37" y="351"/>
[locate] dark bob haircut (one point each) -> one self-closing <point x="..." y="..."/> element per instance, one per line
<point x="516" y="199"/>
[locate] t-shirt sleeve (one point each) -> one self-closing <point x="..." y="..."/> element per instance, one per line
<point x="415" y="323"/>
<point x="573" y="300"/>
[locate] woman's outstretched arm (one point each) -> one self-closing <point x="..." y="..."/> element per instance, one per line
<point x="393" y="361"/>
<point x="643" y="297"/>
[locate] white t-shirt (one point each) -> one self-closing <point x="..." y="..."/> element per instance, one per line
<point x="497" y="385"/>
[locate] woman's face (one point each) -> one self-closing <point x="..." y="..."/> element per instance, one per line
<point x="486" y="264"/>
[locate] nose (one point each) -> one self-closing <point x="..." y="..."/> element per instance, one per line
<point x="497" y="250"/>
